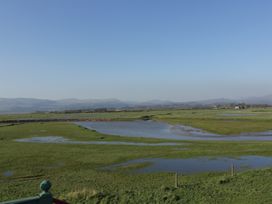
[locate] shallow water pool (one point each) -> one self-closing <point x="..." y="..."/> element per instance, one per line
<point x="197" y="165"/>
<point x="154" y="129"/>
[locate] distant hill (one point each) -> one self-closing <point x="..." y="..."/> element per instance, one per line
<point x="27" y="105"/>
<point x="259" y="100"/>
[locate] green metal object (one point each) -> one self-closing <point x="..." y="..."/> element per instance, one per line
<point x="45" y="197"/>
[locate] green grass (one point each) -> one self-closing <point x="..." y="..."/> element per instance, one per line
<point x="75" y="170"/>
<point x="75" y="167"/>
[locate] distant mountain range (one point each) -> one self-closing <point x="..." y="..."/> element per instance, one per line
<point x="26" y="105"/>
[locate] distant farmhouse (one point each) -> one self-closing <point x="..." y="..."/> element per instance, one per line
<point x="240" y="106"/>
<point x="237" y="107"/>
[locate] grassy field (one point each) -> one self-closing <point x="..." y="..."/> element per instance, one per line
<point x="75" y="170"/>
<point x="221" y="121"/>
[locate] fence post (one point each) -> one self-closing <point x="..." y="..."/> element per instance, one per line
<point x="176" y="180"/>
<point x="232" y="170"/>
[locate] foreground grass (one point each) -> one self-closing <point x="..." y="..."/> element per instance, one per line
<point x="75" y="170"/>
<point x="93" y="187"/>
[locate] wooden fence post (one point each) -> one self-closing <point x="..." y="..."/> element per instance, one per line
<point x="176" y="180"/>
<point x="232" y="170"/>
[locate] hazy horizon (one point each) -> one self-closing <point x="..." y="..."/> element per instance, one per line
<point x="140" y="101"/>
<point x="135" y="50"/>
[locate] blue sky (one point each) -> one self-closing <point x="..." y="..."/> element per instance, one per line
<point x="140" y="50"/>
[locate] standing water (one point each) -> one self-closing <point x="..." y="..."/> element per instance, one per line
<point x="197" y="165"/>
<point x="153" y="129"/>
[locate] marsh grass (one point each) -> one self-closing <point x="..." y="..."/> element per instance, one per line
<point x="79" y="179"/>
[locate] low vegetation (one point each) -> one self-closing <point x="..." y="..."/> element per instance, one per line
<point x="77" y="175"/>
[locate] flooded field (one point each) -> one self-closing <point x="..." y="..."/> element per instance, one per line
<point x="196" y="165"/>
<point x="153" y="129"/>
<point x="62" y="140"/>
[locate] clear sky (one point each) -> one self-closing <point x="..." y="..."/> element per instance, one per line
<point x="140" y="50"/>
